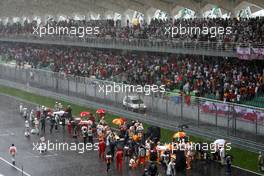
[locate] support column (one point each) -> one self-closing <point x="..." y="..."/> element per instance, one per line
<point x="95" y="15"/>
<point x="108" y="15"/>
<point x="88" y="16"/>
<point x="149" y="14"/>
<point x="127" y="15"/>
<point x="175" y="11"/>
<point x="232" y="14"/>
<point x="199" y="14"/>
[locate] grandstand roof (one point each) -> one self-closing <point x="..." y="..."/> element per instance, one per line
<point x="28" y="8"/>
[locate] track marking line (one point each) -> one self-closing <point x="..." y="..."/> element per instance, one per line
<point x="25" y="173"/>
<point x="4" y="134"/>
<point x="252" y="172"/>
<point x="41" y="155"/>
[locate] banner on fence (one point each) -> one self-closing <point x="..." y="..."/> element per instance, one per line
<point x="242" y="113"/>
<point x="247" y="53"/>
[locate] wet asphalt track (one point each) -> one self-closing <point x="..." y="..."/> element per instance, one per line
<point x="63" y="163"/>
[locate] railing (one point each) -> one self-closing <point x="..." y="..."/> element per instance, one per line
<point x="138" y="44"/>
<point x="225" y="118"/>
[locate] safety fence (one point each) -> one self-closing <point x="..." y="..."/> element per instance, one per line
<point x="227" y="49"/>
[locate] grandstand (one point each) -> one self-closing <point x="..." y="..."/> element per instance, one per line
<point x="208" y="54"/>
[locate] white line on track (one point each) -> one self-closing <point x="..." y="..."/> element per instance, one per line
<point x="25" y="173"/>
<point x="41" y="155"/>
<point x="4" y="134"/>
<point x="247" y="170"/>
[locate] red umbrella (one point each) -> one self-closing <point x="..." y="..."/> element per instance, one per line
<point x="100" y="111"/>
<point x="85" y="113"/>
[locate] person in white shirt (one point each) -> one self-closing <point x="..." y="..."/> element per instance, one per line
<point x="21" y="108"/>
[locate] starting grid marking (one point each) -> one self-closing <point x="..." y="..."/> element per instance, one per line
<point x="40" y="155"/>
<point x="4" y="133"/>
<point x="18" y="169"/>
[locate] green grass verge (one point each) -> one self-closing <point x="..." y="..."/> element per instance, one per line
<point x="242" y="158"/>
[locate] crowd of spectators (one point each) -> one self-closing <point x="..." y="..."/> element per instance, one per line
<point x="226" y="79"/>
<point x="243" y="30"/>
<point x="70" y="61"/>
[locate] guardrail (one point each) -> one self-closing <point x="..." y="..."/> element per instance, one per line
<point x="227" y="49"/>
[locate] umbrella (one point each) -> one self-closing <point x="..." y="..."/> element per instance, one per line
<point x="136" y="138"/>
<point x="90" y="122"/>
<point x="84" y="113"/>
<point x="219" y="142"/>
<point x="118" y="121"/>
<point x="60" y="113"/>
<point x="161" y="147"/>
<point x="100" y="111"/>
<point x="179" y="134"/>
<point x="122" y="118"/>
<point x="82" y="122"/>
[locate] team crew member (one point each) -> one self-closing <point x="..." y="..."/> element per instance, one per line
<point x="13" y="151"/>
<point x="108" y="159"/>
<point x="119" y="159"/>
<point x="101" y="150"/>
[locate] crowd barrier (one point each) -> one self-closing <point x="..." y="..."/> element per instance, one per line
<point x="227" y="49"/>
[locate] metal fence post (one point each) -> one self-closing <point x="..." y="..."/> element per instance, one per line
<point x="126" y="103"/>
<point x="85" y="87"/>
<point x="198" y="112"/>
<point x="228" y="119"/>
<point x="235" y="123"/>
<point x="139" y="103"/>
<point x="15" y="74"/>
<point x="256" y="127"/>
<point x="76" y="84"/>
<point x="116" y="97"/>
<point x="167" y="112"/>
<point x="68" y="85"/>
<point x="152" y="101"/>
<point x="216" y="115"/>
<point x="95" y="88"/>
<point x="27" y="78"/>
<point x="105" y="90"/>
<point x="233" y="120"/>
<point x="181" y="98"/>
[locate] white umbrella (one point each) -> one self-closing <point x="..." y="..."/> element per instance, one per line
<point x="90" y="122"/>
<point x="84" y="122"/>
<point x="220" y="142"/>
<point x="161" y="147"/>
<point x="60" y="113"/>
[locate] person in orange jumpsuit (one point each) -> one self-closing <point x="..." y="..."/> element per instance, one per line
<point x="119" y="159"/>
<point x="101" y="149"/>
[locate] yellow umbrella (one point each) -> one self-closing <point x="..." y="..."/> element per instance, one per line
<point x="136" y="138"/>
<point x="179" y="134"/>
<point x="118" y="121"/>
